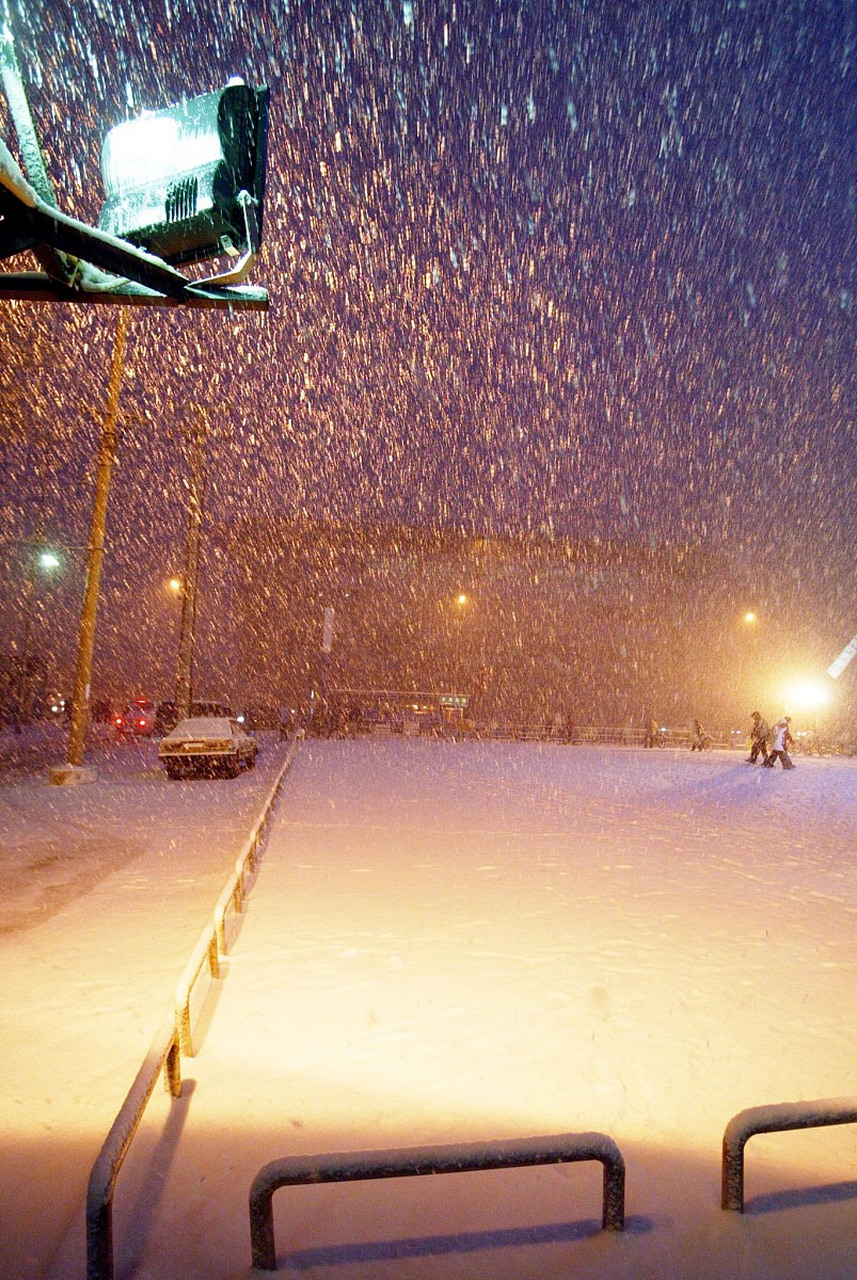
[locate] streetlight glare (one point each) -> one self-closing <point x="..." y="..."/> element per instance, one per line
<point x="175" y="585"/>
<point x="462" y="598"/>
<point x="808" y="695"/>
<point x="49" y="560"/>
<point x="749" y="617"/>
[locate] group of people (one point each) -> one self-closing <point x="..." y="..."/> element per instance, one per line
<point x="770" y="744"/>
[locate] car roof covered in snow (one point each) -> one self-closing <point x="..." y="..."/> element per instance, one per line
<point x="202" y="727"/>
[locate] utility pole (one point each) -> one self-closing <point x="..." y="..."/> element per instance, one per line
<point x="86" y="643"/>
<point x="184" y="667"/>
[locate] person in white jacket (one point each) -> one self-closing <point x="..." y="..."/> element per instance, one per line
<point x="780" y="742"/>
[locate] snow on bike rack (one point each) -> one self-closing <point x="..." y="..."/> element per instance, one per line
<point x="778" y="1118"/>
<point x="405" y="1162"/>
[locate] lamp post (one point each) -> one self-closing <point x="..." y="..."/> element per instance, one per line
<point x="747" y="629"/>
<point x="184" y="665"/>
<point x="46" y="560"/>
<point x="72" y="771"/>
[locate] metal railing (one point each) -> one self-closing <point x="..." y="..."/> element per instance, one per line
<point x="403" y="1162"/>
<point x="212" y="942"/>
<point x="778" y="1118"/>
<point x="165" y="1051"/>
<point x="163" y="1055"/>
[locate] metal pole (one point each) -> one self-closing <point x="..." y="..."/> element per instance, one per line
<point x="86" y="643"/>
<point x="184" y="667"/>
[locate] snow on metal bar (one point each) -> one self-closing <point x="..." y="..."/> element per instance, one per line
<point x="163" y="1054"/>
<point x="777" y="1118"/>
<point x="212" y="942"/>
<point x="404" y="1162"/>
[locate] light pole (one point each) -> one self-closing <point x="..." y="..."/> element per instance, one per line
<point x="72" y="771"/>
<point x="184" y="665"/>
<point x="48" y="561"/>
<point x="747" y="629"/>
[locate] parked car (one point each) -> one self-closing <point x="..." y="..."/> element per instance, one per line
<point x="136" y="721"/>
<point x="209" y="745"/>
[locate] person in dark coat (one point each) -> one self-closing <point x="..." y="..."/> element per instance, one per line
<point x="759" y="735"/>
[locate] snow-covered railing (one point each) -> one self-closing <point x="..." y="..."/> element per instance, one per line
<point x="404" y="1162"/>
<point x="212" y="942"/>
<point x="777" y="1118"/>
<point x="598" y="735"/>
<point x="163" y="1055"/>
<point x="165" y="1051"/>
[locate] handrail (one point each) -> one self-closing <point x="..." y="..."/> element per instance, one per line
<point x="163" y="1053"/>
<point x="212" y="943"/>
<point x="780" y="1117"/>
<point x="406" y="1162"/>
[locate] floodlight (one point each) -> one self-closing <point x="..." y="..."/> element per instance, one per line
<point x="187" y="182"/>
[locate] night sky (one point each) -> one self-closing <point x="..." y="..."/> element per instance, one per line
<point x="553" y="269"/>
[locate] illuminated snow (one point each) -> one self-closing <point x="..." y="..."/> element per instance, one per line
<point x="457" y="942"/>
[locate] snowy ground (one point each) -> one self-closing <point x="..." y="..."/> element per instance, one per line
<point x="454" y="942"/>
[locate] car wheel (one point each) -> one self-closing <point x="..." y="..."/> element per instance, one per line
<point x="231" y="768"/>
<point x="251" y="763"/>
<point x="174" y="770"/>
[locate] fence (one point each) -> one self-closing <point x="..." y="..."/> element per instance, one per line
<point x="166" y="1049"/>
<point x="212" y="942"/>
<point x="404" y="1162"/>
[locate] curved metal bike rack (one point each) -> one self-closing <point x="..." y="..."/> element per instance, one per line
<point x="163" y="1054"/>
<point x="404" y="1162"/>
<point x="777" y="1118"/>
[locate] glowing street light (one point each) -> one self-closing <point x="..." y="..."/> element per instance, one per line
<point x="182" y="184"/>
<point x="808" y="695"/>
<point x="188" y="182"/>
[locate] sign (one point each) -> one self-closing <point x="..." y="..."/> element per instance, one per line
<point x="836" y="668"/>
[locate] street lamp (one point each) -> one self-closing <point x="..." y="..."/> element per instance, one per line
<point x="187" y="182"/>
<point x="48" y="561"/>
<point x="182" y="184"/>
<point x="808" y="695"/>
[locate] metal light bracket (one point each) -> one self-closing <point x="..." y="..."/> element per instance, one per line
<point x="83" y="264"/>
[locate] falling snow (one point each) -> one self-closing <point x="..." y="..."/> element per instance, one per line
<point x="555" y="390"/>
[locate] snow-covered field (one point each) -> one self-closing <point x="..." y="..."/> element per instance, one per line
<point x="457" y="942"/>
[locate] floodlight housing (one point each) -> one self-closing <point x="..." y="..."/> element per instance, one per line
<point x="187" y="182"/>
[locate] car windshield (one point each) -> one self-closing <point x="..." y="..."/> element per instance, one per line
<point x="202" y="727"/>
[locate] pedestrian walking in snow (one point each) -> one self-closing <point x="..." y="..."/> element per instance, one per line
<point x="780" y="744"/>
<point x="698" y="740"/>
<point x="651" y="735"/>
<point x="759" y="735"/>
